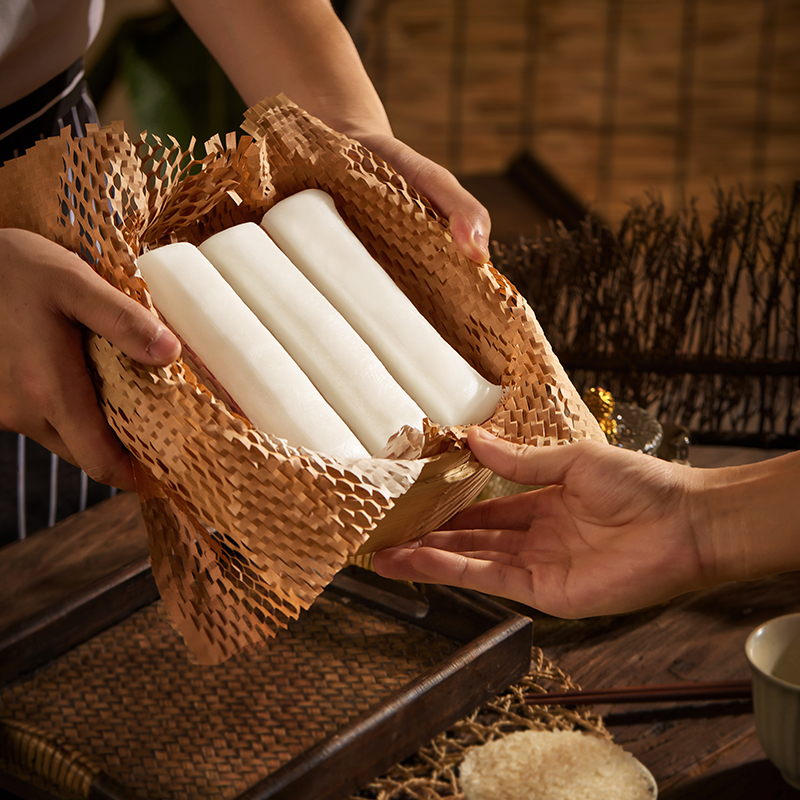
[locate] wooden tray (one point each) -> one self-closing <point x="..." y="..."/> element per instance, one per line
<point x="413" y="661"/>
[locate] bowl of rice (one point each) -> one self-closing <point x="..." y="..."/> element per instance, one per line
<point x="554" y="765"/>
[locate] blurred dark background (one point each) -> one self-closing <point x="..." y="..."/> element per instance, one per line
<point x="542" y="107"/>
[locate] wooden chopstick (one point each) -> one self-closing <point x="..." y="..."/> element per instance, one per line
<point x="668" y="692"/>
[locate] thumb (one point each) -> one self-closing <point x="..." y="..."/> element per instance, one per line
<point x="470" y="227"/>
<point x="531" y="466"/>
<point x="470" y="223"/>
<point x="135" y="330"/>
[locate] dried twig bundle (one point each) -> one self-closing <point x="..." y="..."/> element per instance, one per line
<point x="700" y="326"/>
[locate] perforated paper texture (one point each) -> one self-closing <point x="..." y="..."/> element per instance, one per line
<point x="245" y="530"/>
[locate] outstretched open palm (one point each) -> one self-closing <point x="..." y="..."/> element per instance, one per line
<point x="610" y="531"/>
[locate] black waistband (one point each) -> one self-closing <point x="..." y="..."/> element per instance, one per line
<point x="20" y="110"/>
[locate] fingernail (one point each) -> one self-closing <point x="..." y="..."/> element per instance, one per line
<point x="481" y="244"/>
<point x="165" y="347"/>
<point x="483" y="434"/>
<point x="412" y="545"/>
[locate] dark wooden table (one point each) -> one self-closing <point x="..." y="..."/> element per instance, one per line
<point x="702" y="750"/>
<point x="694" y="750"/>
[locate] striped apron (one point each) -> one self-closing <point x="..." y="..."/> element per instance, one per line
<point x="37" y="488"/>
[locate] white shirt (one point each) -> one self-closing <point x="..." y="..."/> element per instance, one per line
<point x="41" y="38"/>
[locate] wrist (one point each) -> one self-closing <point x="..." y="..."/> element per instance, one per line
<point x="747" y="520"/>
<point x="374" y="133"/>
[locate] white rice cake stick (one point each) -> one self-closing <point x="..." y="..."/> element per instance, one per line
<point x="308" y="228"/>
<point x="241" y="353"/>
<point x="324" y="345"/>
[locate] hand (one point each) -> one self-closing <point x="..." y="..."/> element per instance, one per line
<point x="469" y="220"/>
<point x="49" y="294"/>
<point x="612" y="531"/>
<point x="312" y="59"/>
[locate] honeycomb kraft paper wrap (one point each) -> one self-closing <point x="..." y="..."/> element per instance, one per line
<point x="246" y="531"/>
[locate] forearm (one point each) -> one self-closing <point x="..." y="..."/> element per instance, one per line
<point x="301" y="49"/>
<point x="298" y="47"/>
<point x="747" y="519"/>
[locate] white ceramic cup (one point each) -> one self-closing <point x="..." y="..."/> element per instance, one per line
<point x="773" y="650"/>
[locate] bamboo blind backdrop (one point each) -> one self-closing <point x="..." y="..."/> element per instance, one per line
<point x="616" y="97"/>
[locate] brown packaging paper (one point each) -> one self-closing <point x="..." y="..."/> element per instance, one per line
<point x="246" y="531"/>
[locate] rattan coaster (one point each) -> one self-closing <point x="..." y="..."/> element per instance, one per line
<point x="432" y="773"/>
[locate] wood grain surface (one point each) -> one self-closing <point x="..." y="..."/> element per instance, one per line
<point x="70" y="556"/>
<point x="703" y="750"/>
<point x="692" y="749"/>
